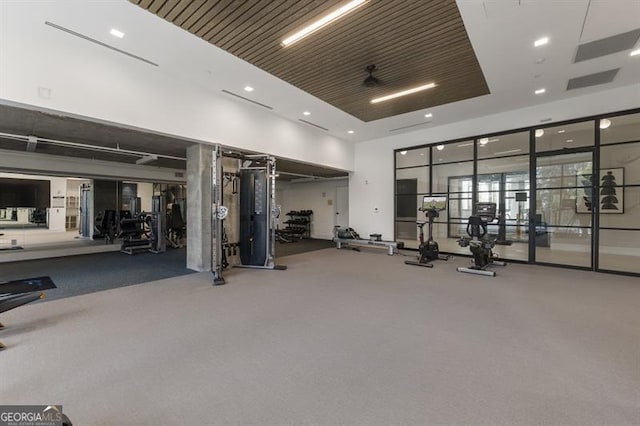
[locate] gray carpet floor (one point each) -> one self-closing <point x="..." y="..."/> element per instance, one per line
<point x="76" y="275"/>
<point x="338" y="338"/>
<point x="302" y="246"/>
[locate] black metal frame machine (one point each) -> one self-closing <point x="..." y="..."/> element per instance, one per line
<point x="480" y="244"/>
<point x="14" y="294"/>
<point x="258" y="213"/>
<point x="429" y="250"/>
<point x="146" y="231"/>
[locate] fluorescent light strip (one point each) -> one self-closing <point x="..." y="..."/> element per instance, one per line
<point x="540" y="91"/>
<point x="635" y="52"/>
<point x="403" y="93"/>
<point x="323" y="21"/>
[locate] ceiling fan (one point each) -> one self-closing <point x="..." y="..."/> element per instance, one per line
<point x="371" y="81"/>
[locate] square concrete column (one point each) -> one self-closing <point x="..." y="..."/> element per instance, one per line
<point x="199" y="161"/>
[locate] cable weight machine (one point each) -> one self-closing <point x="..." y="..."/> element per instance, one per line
<point x="252" y="204"/>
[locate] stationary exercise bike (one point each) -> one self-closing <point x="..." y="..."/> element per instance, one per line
<point x="429" y="250"/>
<point x="480" y="245"/>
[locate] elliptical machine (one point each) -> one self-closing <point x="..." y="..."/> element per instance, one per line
<point x="480" y="245"/>
<point x="429" y="250"/>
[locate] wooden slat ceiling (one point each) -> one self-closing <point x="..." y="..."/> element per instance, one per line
<point x="412" y="42"/>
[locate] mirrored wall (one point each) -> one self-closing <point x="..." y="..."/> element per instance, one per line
<point x="40" y="213"/>
<point x="567" y="194"/>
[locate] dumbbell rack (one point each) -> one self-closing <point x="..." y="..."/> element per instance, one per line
<point x="299" y="224"/>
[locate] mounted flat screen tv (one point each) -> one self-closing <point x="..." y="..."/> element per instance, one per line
<point x="25" y="193"/>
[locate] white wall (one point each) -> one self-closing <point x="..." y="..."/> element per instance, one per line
<point x="145" y="193"/>
<point x="371" y="186"/>
<point x="319" y="196"/>
<point x="89" y="80"/>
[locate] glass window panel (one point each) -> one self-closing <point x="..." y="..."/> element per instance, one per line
<point x="623" y="128"/>
<point x="496" y="146"/>
<point x="565" y="136"/>
<point x="511" y="164"/>
<point x="559" y="171"/>
<point x="460" y="184"/>
<point x="412" y="157"/>
<point x="407" y="232"/>
<point x="441" y="175"/>
<point x="628" y="215"/>
<point x="619" y="250"/>
<point x="460" y="206"/>
<point x="407" y="207"/>
<point x="627" y="157"/>
<point x="458" y="151"/>
<point x="408" y="179"/>
<point x="558" y="207"/>
<point x="564" y="248"/>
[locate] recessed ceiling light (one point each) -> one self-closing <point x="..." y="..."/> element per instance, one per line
<point x="350" y="132"/>
<point x="541" y="41"/>
<point x="116" y="33"/>
<point x="569" y="140"/>
<point x="561" y="131"/>
<point x="635" y="52"/>
<point x="248" y="88"/>
<point x="540" y="91"/>
<point x="403" y="93"/>
<point x="605" y="123"/>
<point x="306" y="113"/>
<point x="428" y="115"/>
<point x="440" y="147"/>
<point x="403" y="152"/>
<point x="539" y="133"/>
<point x="483" y="141"/>
<point x="323" y="21"/>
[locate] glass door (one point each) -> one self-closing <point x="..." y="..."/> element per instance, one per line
<point x="562" y="225"/>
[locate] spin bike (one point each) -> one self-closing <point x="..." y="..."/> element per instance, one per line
<point x="429" y="250"/>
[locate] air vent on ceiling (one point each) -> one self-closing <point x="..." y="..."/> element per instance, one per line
<point x="246" y="99"/>
<point x="424" y="123"/>
<point x="93" y="40"/>
<point x="313" y="124"/>
<point x="592" y="79"/>
<point x="607" y="46"/>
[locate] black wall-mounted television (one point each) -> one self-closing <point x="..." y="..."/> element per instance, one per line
<point x="25" y="193"/>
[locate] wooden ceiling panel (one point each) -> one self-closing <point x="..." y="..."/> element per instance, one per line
<point x="412" y="42"/>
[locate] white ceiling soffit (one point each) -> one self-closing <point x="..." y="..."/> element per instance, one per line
<point x="502" y="33"/>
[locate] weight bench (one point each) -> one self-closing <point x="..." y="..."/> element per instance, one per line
<point x="14" y="294"/>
